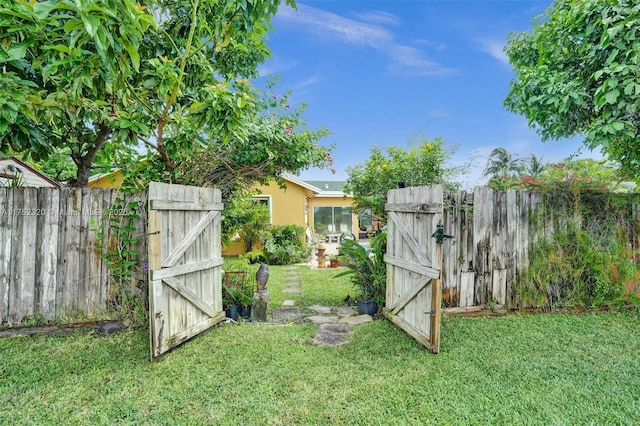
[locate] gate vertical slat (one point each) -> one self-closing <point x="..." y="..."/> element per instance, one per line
<point x="157" y="304"/>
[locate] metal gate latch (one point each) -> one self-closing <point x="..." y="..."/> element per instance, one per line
<point x="439" y="235"/>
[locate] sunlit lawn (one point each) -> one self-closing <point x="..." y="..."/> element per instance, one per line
<point x="544" y="369"/>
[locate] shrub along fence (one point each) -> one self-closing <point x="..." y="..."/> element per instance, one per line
<point x="526" y="249"/>
<point x="70" y="253"/>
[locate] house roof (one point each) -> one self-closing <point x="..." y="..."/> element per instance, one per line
<point x="302" y="183"/>
<point x="30" y="176"/>
<point x="328" y="185"/>
<point x="329" y="188"/>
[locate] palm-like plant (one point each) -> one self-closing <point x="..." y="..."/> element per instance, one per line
<point x="367" y="267"/>
<point x="534" y="165"/>
<point x="502" y="164"/>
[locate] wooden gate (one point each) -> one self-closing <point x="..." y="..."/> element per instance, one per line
<point x="185" y="284"/>
<point x="414" y="262"/>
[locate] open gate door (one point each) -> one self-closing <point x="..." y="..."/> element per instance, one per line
<point x="414" y="262"/>
<point x="185" y="263"/>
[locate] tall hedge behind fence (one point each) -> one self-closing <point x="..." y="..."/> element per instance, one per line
<point x="493" y="232"/>
<point x="50" y="262"/>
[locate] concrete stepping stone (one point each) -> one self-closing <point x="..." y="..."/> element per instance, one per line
<point x="292" y="284"/>
<point x="286" y="315"/>
<point x="322" y="319"/>
<point x="346" y="311"/>
<point x="329" y="339"/>
<point x="356" y="319"/>
<point x="320" y="309"/>
<point x="331" y="335"/>
<point x="292" y="290"/>
<point x="289" y="303"/>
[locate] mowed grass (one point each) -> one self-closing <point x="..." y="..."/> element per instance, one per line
<point x="520" y="369"/>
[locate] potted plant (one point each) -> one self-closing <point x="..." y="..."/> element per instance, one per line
<point x="333" y="261"/>
<point x="246" y="300"/>
<point x="368" y="271"/>
<point x="231" y="299"/>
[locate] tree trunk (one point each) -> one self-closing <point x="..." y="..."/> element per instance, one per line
<point x="84" y="161"/>
<point x="84" y="171"/>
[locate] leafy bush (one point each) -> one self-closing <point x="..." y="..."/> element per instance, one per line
<point x="367" y="267"/>
<point x="285" y="245"/>
<point x="238" y="289"/>
<point x="574" y="267"/>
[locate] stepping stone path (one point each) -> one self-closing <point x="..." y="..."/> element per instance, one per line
<point x="331" y="335"/>
<point x="334" y="322"/>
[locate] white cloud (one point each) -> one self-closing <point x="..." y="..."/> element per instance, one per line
<point x="431" y="44"/>
<point x="311" y="81"/>
<point x="404" y="59"/>
<point x="275" y="66"/>
<point x="495" y="49"/>
<point x="379" y="17"/>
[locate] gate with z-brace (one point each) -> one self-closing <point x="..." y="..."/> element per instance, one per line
<point x="414" y="262"/>
<point x="185" y="263"/>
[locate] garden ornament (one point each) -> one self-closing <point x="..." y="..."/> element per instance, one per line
<point x="262" y="276"/>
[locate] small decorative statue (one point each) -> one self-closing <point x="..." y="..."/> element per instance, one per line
<point x="262" y="276"/>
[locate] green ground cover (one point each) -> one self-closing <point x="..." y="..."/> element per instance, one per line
<point x="519" y="369"/>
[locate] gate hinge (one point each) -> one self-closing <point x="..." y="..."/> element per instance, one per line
<point x="439" y="234"/>
<point x="432" y="313"/>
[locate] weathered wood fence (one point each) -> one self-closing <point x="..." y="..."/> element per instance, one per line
<point x="492" y="233"/>
<point x="50" y="260"/>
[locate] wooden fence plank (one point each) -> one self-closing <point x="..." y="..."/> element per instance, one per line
<point x="47" y="254"/>
<point x="6" y="204"/>
<point x="467" y="282"/>
<point x="16" y="308"/>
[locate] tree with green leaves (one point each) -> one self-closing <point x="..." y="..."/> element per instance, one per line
<point x="65" y="68"/>
<point x="575" y="175"/>
<point x="423" y="163"/>
<point x="98" y="78"/>
<point x="502" y="164"/>
<point x="578" y="73"/>
<point x="533" y="165"/>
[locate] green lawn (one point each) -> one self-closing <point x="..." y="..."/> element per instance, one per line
<point x="544" y="369"/>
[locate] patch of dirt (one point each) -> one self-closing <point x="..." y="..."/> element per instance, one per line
<point x="99" y="327"/>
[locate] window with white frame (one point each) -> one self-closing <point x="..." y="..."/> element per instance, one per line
<point x="332" y="221"/>
<point x="266" y="200"/>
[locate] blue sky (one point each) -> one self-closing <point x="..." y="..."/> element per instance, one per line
<point x="376" y="72"/>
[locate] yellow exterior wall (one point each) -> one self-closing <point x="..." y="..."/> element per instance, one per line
<point x="287" y="205"/>
<point x="110" y="180"/>
<point x="291" y="206"/>
<point x="287" y="208"/>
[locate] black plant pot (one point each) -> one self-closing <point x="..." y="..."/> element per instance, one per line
<point x="367" y="307"/>
<point x="245" y="312"/>
<point x="232" y="312"/>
